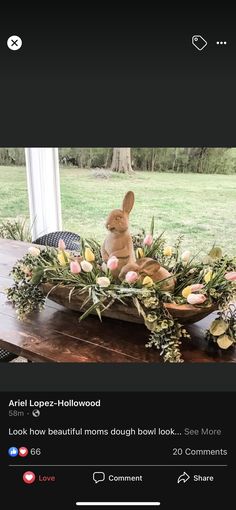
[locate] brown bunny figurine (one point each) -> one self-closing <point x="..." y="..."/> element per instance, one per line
<point x="118" y="242"/>
<point x="150" y="267"/>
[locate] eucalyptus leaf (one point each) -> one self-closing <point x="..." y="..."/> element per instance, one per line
<point x="151" y="325"/>
<point x="218" y="327"/>
<point x="224" y="341"/>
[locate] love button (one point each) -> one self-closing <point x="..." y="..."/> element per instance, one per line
<point x="29" y="477"/>
<point x="47" y="478"/>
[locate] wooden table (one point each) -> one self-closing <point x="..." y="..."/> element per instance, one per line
<point x="56" y="334"/>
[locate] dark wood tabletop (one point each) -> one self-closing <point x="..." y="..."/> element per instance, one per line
<point x="56" y="335"/>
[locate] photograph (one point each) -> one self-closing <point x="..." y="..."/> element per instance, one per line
<point x="117" y="255"/>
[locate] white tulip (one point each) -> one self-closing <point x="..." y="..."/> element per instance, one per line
<point x="196" y="299"/>
<point x="86" y="266"/>
<point x="103" y="281"/>
<point x="186" y="256"/>
<point x="35" y="252"/>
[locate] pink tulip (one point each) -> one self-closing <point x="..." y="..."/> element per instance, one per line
<point x="112" y="263"/>
<point x="75" y="267"/>
<point x="196" y="299"/>
<point x="231" y="276"/>
<point x="196" y="287"/>
<point x="131" y="276"/>
<point x="148" y="240"/>
<point x="61" y="245"/>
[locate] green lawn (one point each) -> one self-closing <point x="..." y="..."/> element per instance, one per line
<point x="202" y="207"/>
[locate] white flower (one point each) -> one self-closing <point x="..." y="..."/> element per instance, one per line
<point x="196" y="299"/>
<point x="35" y="252"/>
<point x="186" y="256"/>
<point x="86" y="266"/>
<point x="103" y="281"/>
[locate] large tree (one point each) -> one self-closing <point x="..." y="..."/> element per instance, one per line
<point x="121" y="160"/>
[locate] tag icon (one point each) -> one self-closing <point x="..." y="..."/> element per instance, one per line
<point x="199" y="42"/>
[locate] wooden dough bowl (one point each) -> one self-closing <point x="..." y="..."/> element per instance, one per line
<point x="185" y="313"/>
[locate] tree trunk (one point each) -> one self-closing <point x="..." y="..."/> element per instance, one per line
<point x="153" y="160"/>
<point x="175" y="160"/>
<point x="201" y="157"/>
<point x="187" y="166"/>
<point x="121" y="160"/>
<point x="107" y="158"/>
<point x="90" y="159"/>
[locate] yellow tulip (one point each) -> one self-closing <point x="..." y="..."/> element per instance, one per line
<point x="63" y="257"/>
<point x="168" y="251"/>
<point x="139" y="253"/>
<point x="89" y="255"/>
<point x="208" y="276"/>
<point x="148" y="281"/>
<point x="186" y="291"/>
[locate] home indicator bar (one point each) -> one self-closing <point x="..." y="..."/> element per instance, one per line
<point x="117" y="503"/>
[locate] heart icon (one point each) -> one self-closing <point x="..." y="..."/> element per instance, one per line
<point x="23" y="451"/>
<point x="29" y="477"/>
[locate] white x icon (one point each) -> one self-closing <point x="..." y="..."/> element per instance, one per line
<point x="14" y="42"/>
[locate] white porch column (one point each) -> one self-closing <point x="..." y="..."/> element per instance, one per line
<point x="43" y="180"/>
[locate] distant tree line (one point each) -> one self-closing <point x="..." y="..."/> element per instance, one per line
<point x="181" y="160"/>
<point x="178" y="159"/>
<point x="13" y="156"/>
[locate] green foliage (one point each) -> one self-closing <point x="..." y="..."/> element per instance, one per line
<point x="101" y="290"/>
<point x="85" y="157"/>
<point x="24" y="294"/>
<point x="26" y="299"/>
<point x="183" y="160"/>
<point x="15" y="229"/>
<point x="211" y="160"/>
<point x="12" y="156"/>
<point x="222" y="331"/>
<point x="158" y="159"/>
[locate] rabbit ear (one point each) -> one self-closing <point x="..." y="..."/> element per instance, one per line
<point x="128" y="202"/>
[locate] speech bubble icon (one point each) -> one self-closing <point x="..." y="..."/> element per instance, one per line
<point x="99" y="476"/>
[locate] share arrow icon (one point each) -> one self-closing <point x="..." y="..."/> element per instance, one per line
<point x="183" y="478"/>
